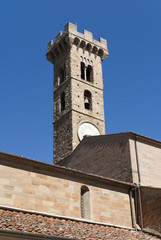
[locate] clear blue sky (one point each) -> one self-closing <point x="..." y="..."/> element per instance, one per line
<point x="132" y="72"/>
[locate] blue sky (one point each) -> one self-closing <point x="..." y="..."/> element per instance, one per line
<point x="132" y="72"/>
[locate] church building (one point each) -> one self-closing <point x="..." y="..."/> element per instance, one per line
<point x="100" y="186"/>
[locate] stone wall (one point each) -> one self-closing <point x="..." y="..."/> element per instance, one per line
<point x="127" y="157"/>
<point x="148" y="155"/>
<point x="79" y="113"/>
<point x="78" y="119"/>
<point x="79" y="86"/>
<point x="66" y="88"/>
<point x="56" y="190"/>
<point x="63" y="142"/>
<point x="151" y="204"/>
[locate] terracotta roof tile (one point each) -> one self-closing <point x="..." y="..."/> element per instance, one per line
<point x="52" y="226"/>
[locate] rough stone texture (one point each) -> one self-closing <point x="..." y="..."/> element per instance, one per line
<point x="63" y="143"/>
<point x="151" y="204"/>
<point x="107" y="155"/>
<point x="66" y="88"/>
<point x="69" y="50"/>
<point x="50" y="226"/>
<point x="43" y="187"/>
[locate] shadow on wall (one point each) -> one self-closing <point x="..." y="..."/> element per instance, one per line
<point x="151" y="205"/>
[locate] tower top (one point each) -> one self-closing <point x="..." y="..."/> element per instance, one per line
<point x="78" y="88"/>
<point x="72" y="36"/>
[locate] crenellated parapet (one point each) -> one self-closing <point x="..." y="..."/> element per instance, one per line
<point x="70" y="37"/>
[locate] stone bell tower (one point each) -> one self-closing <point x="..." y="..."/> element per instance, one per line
<point x="78" y="88"/>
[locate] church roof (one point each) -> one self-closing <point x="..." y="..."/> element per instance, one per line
<point x="38" y="226"/>
<point x="106" y="155"/>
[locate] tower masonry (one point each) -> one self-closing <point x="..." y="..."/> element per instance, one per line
<point x="78" y="88"/>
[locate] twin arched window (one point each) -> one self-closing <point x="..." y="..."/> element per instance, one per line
<point x="85" y="202"/>
<point x="86" y="72"/>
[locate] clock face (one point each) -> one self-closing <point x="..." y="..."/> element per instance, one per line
<point x="87" y="129"/>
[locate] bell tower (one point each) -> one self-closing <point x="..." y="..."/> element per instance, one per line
<point x="78" y="88"/>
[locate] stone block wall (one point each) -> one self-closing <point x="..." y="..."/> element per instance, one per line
<point x="56" y="190"/>
<point x="77" y="56"/>
<point x="78" y="88"/>
<point x="148" y="155"/>
<point x="79" y="118"/>
<point x="151" y="204"/>
<point x="66" y="88"/>
<point x="110" y="206"/>
<point x="63" y="142"/>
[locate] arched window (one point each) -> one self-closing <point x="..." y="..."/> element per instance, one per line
<point x="82" y="70"/>
<point x="62" y="101"/>
<point x="87" y="100"/>
<point x="89" y="74"/>
<point x="85" y="202"/>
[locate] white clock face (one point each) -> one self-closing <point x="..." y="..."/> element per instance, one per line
<point x="87" y="129"/>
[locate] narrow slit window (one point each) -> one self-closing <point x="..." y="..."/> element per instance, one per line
<point x="85" y="202"/>
<point x="82" y="70"/>
<point x="87" y="100"/>
<point x="89" y="74"/>
<point x="62" y="101"/>
<point x="61" y="75"/>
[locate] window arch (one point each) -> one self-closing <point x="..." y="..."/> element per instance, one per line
<point x="89" y="73"/>
<point x="85" y="202"/>
<point x="87" y="100"/>
<point x="82" y="70"/>
<point x="62" y="101"/>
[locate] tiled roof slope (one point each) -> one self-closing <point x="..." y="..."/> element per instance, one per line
<point x="104" y="155"/>
<point x="51" y="226"/>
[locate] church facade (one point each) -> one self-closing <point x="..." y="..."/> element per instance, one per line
<point x="100" y="186"/>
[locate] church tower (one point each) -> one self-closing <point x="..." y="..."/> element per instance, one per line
<point x="78" y="88"/>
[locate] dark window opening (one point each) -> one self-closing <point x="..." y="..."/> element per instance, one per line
<point x="87" y="100"/>
<point x="89" y="74"/>
<point x="82" y="70"/>
<point x="62" y="76"/>
<point x="63" y="101"/>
